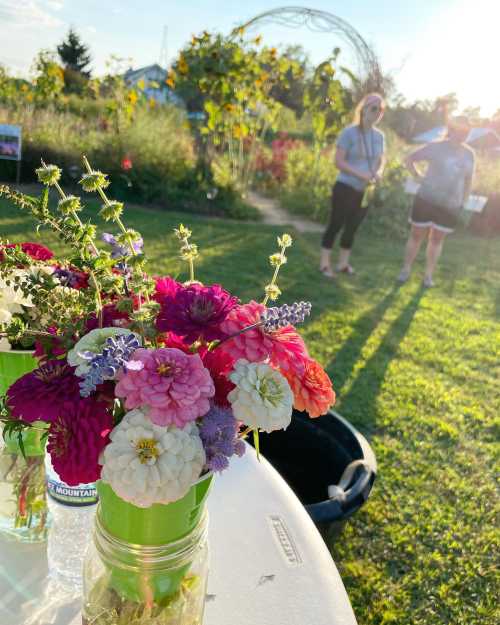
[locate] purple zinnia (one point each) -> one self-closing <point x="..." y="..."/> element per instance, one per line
<point x="219" y="434"/>
<point x="40" y="395"/>
<point x="195" y="311"/>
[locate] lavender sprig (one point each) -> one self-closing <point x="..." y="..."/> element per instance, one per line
<point x="106" y="365"/>
<point x="281" y="316"/>
<point x="219" y="435"/>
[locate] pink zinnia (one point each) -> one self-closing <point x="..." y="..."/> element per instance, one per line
<point x="284" y="348"/>
<point x="312" y="390"/>
<point x="175" y="386"/>
<point x="76" y="438"/>
<point x="39" y="395"/>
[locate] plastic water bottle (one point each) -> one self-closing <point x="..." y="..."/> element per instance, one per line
<point x="73" y="509"/>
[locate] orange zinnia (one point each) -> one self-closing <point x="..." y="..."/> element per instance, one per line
<point x="312" y="390"/>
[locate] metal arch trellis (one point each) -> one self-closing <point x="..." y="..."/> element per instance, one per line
<point x="323" y="21"/>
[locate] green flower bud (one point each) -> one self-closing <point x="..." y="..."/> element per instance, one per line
<point x="70" y="204"/>
<point x="182" y="232"/>
<point x="272" y="291"/>
<point x="111" y="211"/>
<point x="277" y="259"/>
<point x="48" y="174"/>
<point x="93" y="181"/>
<point x="285" y="240"/>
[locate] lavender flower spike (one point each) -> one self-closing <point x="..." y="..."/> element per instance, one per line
<point x="105" y="366"/>
<point x="281" y="316"/>
<point x="219" y="435"/>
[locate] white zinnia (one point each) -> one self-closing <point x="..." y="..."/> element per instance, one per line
<point x="146" y="464"/>
<point x="262" y="398"/>
<point x="93" y="342"/>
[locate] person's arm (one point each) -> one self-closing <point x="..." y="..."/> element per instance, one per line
<point x="342" y="165"/>
<point x="416" y="157"/>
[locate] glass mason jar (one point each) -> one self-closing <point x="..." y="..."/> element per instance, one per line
<point x="23" y="502"/>
<point x="125" y="583"/>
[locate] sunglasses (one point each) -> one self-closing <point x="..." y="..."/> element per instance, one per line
<point x="375" y="108"/>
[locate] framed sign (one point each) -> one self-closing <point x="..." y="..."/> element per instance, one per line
<point x="10" y="142"/>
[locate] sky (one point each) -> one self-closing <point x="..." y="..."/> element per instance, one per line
<point x="432" y="47"/>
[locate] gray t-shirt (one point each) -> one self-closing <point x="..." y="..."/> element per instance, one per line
<point x="361" y="153"/>
<point x="450" y="165"/>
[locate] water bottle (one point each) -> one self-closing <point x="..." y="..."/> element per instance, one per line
<point x="73" y="509"/>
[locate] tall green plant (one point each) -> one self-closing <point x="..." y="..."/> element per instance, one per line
<point x="232" y="79"/>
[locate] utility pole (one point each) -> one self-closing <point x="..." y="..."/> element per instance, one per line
<point x="163" y="62"/>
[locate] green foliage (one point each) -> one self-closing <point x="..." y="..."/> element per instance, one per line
<point x="233" y="80"/>
<point x="48" y="77"/>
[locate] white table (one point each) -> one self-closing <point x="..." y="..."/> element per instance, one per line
<point x="269" y="564"/>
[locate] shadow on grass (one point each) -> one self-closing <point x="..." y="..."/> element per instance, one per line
<point x="359" y="405"/>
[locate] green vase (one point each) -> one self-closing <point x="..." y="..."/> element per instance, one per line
<point x="163" y="530"/>
<point x="14" y="364"/>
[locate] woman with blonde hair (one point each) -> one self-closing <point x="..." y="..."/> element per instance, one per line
<point x="360" y="160"/>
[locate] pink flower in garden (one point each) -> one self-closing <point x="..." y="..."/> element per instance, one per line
<point x="284" y="347"/>
<point x="76" y="438"/>
<point x="175" y="386"/>
<point x="312" y="390"/>
<point x="39" y="395"/>
<point x="195" y="311"/>
<point x="126" y="163"/>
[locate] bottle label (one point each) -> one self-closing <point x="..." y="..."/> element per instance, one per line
<point x="81" y="495"/>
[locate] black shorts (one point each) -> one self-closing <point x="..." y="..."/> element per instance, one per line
<point x="424" y="214"/>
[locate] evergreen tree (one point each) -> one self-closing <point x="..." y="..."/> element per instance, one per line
<point x="74" y="54"/>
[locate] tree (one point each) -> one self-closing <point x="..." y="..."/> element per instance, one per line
<point x="74" y="54"/>
<point x="75" y="57"/>
<point x="48" y="76"/>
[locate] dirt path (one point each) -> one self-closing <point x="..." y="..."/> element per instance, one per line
<point x="274" y="215"/>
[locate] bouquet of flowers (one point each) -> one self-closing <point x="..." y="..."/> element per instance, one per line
<point x="147" y="383"/>
<point x="31" y="284"/>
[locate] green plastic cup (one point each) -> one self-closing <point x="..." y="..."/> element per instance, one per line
<point x="158" y="525"/>
<point x="14" y="364"/>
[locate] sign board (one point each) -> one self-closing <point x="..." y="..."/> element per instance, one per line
<point x="10" y="142"/>
<point x="475" y="203"/>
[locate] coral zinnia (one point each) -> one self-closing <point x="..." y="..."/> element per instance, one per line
<point x="76" y="438"/>
<point x="283" y="347"/>
<point x="40" y="395"/>
<point x="312" y="390"/>
<point x="195" y="311"/>
<point x="174" y="386"/>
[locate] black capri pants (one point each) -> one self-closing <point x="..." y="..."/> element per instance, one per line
<point x="347" y="215"/>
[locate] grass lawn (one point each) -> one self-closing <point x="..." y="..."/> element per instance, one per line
<point x="417" y="372"/>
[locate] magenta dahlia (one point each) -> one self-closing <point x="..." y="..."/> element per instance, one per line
<point x="39" y="395"/>
<point x="195" y="311"/>
<point x="174" y="386"/>
<point x="76" y="438"/>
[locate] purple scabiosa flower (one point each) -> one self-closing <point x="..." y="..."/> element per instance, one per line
<point x="219" y="435"/>
<point x="195" y="311"/>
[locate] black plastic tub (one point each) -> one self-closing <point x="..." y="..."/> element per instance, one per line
<point x="329" y="465"/>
